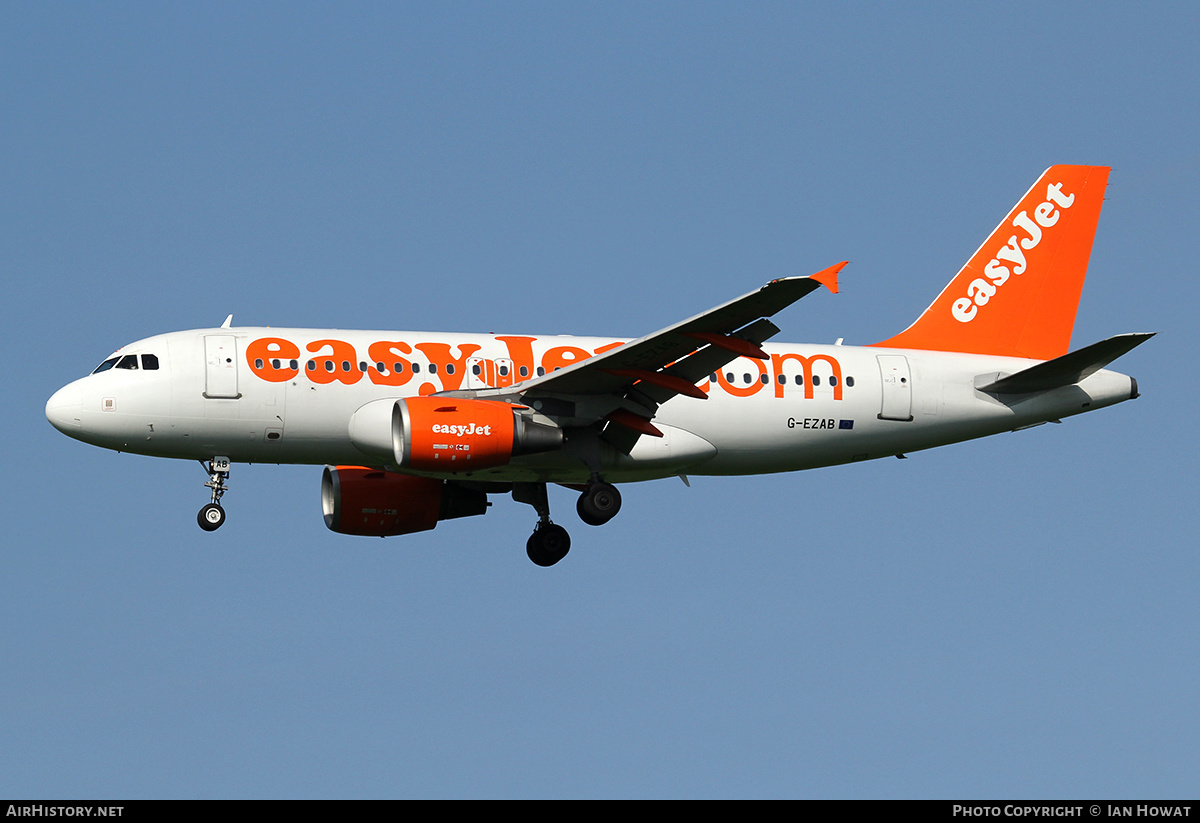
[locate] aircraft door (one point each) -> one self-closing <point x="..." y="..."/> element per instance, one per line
<point x="504" y="372"/>
<point x="897" y="387"/>
<point x="476" y="367"/>
<point x="220" y="366"/>
<point x="484" y="374"/>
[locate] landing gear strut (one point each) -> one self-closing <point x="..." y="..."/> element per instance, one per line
<point x="598" y="503"/>
<point x="212" y="515"/>
<point x="549" y="542"/>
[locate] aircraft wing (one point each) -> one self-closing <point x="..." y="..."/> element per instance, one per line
<point x="637" y="377"/>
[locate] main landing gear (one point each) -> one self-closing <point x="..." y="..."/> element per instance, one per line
<point x="212" y="516"/>
<point x="548" y="544"/>
<point x="598" y="503"/>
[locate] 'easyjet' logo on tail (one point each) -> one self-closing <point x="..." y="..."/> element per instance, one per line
<point x="982" y="289"/>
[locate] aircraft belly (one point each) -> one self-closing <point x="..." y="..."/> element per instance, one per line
<point x="775" y="434"/>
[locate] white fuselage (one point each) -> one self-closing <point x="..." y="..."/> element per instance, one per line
<point x="265" y="395"/>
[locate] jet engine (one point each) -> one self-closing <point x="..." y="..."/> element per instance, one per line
<point x="444" y="434"/>
<point x="375" y="503"/>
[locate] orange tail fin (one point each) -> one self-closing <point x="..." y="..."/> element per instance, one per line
<point x="1018" y="294"/>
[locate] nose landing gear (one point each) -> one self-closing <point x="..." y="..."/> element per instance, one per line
<point x="212" y="515"/>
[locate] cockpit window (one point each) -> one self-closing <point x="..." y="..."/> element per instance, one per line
<point x="129" y="361"/>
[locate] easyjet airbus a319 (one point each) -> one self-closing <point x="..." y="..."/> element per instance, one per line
<point x="415" y="427"/>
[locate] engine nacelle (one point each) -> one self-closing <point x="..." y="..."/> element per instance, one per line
<point x="445" y="434"/>
<point x="362" y="501"/>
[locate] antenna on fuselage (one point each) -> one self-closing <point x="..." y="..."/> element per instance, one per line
<point x="228" y="322"/>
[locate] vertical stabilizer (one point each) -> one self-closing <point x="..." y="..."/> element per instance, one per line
<point x="1018" y="294"/>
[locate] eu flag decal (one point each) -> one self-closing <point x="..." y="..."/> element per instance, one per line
<point x="845" y="424"/>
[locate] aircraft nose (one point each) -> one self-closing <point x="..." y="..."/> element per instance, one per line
<point x="64" y="409"/>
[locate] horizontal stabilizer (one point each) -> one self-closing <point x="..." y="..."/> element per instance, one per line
<point x="1066" y="370"/>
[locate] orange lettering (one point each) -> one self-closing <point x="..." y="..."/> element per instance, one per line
<point x="261" y="352"/>
<point x="520" y="351"/>
<point x="560" y="356"/>
<point x="340" y="365"/>
<point x="806" y="363"/>
<point x="746" y="391"/>
<point x="450" y="370"/>
<point x="389" y="353"/>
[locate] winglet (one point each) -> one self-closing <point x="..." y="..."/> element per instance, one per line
<point x="828" y="277"/>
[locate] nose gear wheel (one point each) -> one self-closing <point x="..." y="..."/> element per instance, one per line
<point x="212" y="516"/>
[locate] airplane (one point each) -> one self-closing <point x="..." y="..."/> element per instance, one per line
<point x="413" y="428"/>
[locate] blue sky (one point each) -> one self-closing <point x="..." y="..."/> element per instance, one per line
<point x="1014" y="617"/>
